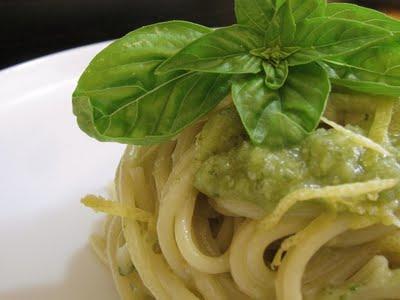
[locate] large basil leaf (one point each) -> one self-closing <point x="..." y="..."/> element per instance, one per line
<point x="124" y="71"/>
<point x="158" y="114"/>
<point x="362" y="14"/>
<point x="323" y="37"/>
<point x="285" y="116"/>
<point x="375" y="70"/>
<point x="132" y="59"/>
<point x="226" y="50"/>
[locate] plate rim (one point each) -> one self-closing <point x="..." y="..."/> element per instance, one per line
<point x="39" y="59"/>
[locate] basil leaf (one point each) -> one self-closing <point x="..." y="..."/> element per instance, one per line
<point x="159" y="114"/>
<point x="375" y="70"/>
<point x="367" y="87"/>
<point x="303" y="9"/>
<point x="305" y="94"/>
<point x="282" y="27"/>
<point x="124" y="71"/>
<point x="255" y="13"/>
<point x="275" y="76"/>
<point x="131" y="60"/>
<point x="259" y="13"/>
<point x="226" y="50"/>
<point x="362" y="14"/>
<point x="280" y="3"/>
<point x="261" y="113"/>
<point x="285" y="116"/>
<point x="323" y="37"/>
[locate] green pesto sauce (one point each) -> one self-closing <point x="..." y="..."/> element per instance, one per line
<point x="232" y="168"/>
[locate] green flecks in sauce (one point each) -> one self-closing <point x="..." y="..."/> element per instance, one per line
<point x="234" y="169"/>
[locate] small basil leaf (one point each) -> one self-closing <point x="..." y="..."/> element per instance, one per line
<point x="375" y="70"/>
<point x="282" y="28"/>
<point x="159" y="114"/>
<point x="261" y="113"/>
<point x="362" y="14"/>
<point x="225" y="50"/>
<point x="275" y="76"/>
<point x="255" y="13"/>
<point x="303" y="9"/>
<point x="326" y="37"/>
<point x="285" y="116"/>
<point x="259" y="13"/>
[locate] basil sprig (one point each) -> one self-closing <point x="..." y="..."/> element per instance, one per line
<point x="279" y="63"/>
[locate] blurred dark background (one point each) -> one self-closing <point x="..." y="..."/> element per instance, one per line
<point x="32" y="28"/>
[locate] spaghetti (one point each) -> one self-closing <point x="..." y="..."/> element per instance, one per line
<point x="166" y="240"/>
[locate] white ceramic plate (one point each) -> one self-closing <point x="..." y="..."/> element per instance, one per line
<point x="46" y="165"/>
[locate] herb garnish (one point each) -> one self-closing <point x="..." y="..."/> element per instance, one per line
<point x="279" y="63"/>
